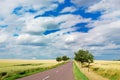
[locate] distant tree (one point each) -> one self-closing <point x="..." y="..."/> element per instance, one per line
<point x="65" y="58"/>
<point x="84" y="56"/>
<point x="118" y="60"/>
<point x="58" y="59"/>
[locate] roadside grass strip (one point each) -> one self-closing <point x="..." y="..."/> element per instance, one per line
<point x="78" y="74"/>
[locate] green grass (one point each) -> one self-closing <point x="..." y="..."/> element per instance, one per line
<point x="78" y="74"/>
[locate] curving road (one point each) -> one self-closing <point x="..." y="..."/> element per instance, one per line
<point x="64" y="72"/>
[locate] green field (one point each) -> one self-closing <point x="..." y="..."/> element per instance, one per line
<point x="12" y="69"/>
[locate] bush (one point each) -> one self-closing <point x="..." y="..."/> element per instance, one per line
<point x="65" y="58"/>
<point x="3" y="73"/>
<point x="58" y="59"/>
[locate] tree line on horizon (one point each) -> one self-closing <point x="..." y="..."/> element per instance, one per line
<point x="82" y="56"/>
<point x="62" y="58"/>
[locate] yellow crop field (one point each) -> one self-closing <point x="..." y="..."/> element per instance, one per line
<point x="16" y="65"/>
<point x="102" y="70"/>
<point x="8" y="67"/>
<point x="89" y="74"/>
<point x="108" y="69"/>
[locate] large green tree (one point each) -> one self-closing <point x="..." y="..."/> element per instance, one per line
<point x="84" y="56"/>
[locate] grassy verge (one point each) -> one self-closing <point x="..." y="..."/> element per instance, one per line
<point x="78" y="74"/>
<point x="18" y="74"/>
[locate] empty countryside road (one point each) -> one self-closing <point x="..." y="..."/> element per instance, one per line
<point x="64" y="72"/>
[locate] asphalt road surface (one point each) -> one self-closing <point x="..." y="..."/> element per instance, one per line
<point x="64" y="72"/>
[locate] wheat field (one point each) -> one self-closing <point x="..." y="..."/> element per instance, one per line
<point x="108" y="69"/>
<point x="90" y="74"/>
<point x="102" y="70"/>
<point x="16" y="65"/>
<point x="11" y="67"/>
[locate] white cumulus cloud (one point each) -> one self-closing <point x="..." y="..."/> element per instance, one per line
<point x="68" y="9"/>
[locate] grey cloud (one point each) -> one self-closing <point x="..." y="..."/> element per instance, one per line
<point x="34" y="33"/>
<point x="84" y="3"/>
<point x="51" y="26"/>
<point x="34" y="44"/>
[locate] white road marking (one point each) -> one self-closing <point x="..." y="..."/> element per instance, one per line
<point x="46" y="78"/>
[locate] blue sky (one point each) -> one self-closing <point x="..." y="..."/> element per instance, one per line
<point x="45" y="29"/>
